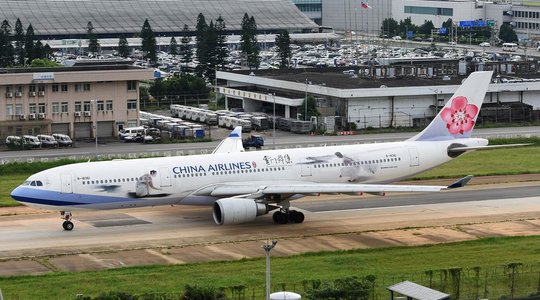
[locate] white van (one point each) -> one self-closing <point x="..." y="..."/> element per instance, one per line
<point x="47" y="141"/>
<point x="32" y="141"/>
<point x="131" y="131"/>
<point x="510" y="47"/>
<point x="63" y="140"/>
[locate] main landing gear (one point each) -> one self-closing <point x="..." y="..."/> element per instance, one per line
<point x="284" y="216"/>
<point x="66" y="216"/>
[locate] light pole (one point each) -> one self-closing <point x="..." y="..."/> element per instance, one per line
<point x="305" y="104"/>
<point x="267" y="247"/>
<point x="94" y="113"/>
<point x="274" y="123"/>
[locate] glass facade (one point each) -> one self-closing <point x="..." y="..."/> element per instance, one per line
<point x="434" y="11"/>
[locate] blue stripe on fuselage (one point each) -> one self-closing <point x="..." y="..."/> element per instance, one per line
<point x="39" y="196"/>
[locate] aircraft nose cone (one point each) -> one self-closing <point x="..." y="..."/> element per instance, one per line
<point x="18" y="194"/>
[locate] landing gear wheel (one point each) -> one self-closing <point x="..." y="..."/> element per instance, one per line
<point x="296" y="216"/>
<point x="280" y="217"/>
<point x="66" y="216"/>
<point x="68" y="225"/>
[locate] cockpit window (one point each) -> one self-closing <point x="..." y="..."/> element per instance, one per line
<point x="39" y="183"/>
<point x="26" y="183"/>
<point x="33" y="183"/>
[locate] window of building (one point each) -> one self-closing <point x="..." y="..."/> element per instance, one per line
<point x="109" y="106"/>
<point x="87" y="106"/>
<point x="434" y="11"/>
<point x="9" y="110"/>
<point x="78" y="87"/>
<point x="132" y="123"/>
<point x="132" y="104"/>
<point x="19" y="109"/>
<point x="9" y="89"/>
<point x="55" y="88"/>
<point x="41" y="108"/>
<point x="86" y="87"/>
<point x="65" y="107"/>
<point x="19" y="89"/>
<point x="55" y="107"/>
<point x="64" y="87"/>
<point x="32" y="88"/>
<point x="101" y="105"/>
<point x="132" y="85"/>
<point x="78" y="106"/>
<point x="32" y="108"/>
<point x="41" y="88"/>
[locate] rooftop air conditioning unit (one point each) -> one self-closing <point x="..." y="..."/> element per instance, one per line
<point x="31" y="116"/>
<point x="9" y="94"/>
<point x="41" y="93"/>
<point x="32" y="94"/>
<point x="41" y="116"/>
<point x="22" y="117"/>
<point x="87" y="114"/>
<point x="18" y="94"/>
<point x="77" y="114"/>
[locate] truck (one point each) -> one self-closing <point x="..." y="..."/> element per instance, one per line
<point x="254" y="140"/>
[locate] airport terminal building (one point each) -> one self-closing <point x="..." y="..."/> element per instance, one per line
<point x="398" y="95"/>
<point x="70" y="100"/>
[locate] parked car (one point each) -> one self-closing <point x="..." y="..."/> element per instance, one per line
<point x="32" y="141"/>
<point x="63" y="140"/>
<point x="47" y="141"/>
<point x="396" y="38"/>
<point x="485" y="44"/>
<point x="133" y="131"/>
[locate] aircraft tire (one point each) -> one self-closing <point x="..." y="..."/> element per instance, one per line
<point x="68" y="225"/>
<point x="296" y="216"/>
<point x="280" y="218"/>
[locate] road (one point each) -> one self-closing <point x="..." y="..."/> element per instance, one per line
<point x="87" y="150"/>
<point x="180" y="234"/>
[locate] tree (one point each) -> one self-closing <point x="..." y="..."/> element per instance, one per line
<point x="248" y="41"/>
<point x="123" y="47"/>
<point x="406" y="25"/>
<point x="222" y="52"/>
<point x="311" y="108"/>
<point x="193" y="292"/>
<point x="426" y="27"/>
<point x="341" y="289"/>
<point x="19" y="43"/>
<point x="185" y="48"/>
<point x="29" y="43"/>
<point x="6" y="47"/>
<point x="283" y="43"/>
<point x="202" y="52"/>
<point x="173" y="46"/>
<point x="389" y="27"/>
<point x="148" y="42"/>
<point x="43" y="62"/>
<point x="507" y="33"/>
<point x="93" y="44"/>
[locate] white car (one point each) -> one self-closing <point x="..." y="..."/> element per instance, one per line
<point x="396" y="38"/>
<point x="485" y="44"/>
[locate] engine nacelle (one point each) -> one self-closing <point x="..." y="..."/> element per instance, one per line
<point x="237" y="210"/>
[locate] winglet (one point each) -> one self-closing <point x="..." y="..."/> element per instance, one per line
<point x="461" y="182"/>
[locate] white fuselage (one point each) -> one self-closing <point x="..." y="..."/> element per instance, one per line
<point x="176" y="180"/>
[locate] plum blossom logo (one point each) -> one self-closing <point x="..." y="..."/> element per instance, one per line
<point x="459" y="117"/>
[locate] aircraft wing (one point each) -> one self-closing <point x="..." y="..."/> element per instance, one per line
<point x="269" y="188"/>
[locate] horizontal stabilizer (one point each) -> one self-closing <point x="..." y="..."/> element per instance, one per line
<point x="466" y="148"/>
<point x="460" y="183"/>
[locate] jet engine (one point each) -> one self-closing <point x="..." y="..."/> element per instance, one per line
<point x="237" y="210"/>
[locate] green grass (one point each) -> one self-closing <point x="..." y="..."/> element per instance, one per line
<point x="389" y="265"/>
<point x="8" y="184"/>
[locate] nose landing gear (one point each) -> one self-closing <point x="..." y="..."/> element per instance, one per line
<point x="66" y="216"/>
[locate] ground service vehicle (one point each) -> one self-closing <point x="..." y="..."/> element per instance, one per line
<point x="255" y="141"/>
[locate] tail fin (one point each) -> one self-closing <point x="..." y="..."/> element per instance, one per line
<point x="233" y="143"/>
<point x="458" y="117"/>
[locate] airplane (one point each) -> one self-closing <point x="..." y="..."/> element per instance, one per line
<point x="243" y="185"/>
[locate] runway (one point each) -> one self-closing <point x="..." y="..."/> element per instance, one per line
<point x="108" y="239"/>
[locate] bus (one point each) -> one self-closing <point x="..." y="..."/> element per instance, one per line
<point x="510" y="47"/>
